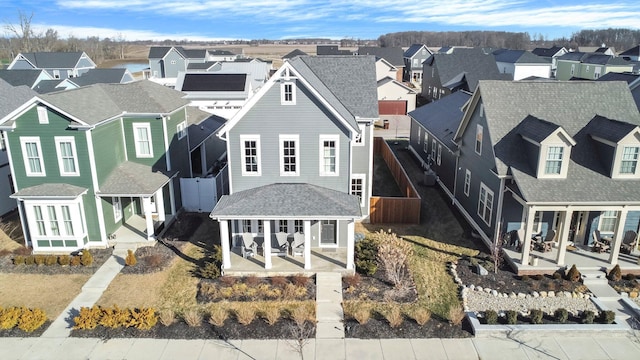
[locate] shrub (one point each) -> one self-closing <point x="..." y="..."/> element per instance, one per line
<point x="393" y="255"/>
<point x="630" y="277"/>
<point x="51" y="260"/>
<point x="557" y="275"/>
<point x="456" y="314"/>
<point x="524" y="277"/>
<point x="143" y="319"/>
<point x="420" y="315"/>
<point x="588" y="316"/>
<point x="252" y="280"/>
<point x="573" y="274"/>
<point x="31" y="319"/>
<point x="300" y="280"/>
<point x="18" y="260"/>
<point x="9" y="318"/>
<point x="228" y="280"/>
<point x="39" y="259"/>
<point x="210" y="270"/>
<point x="491" y="317"/>
<point x="302" y="313"/>
<point x="86" y="259"/>
<point x="615" y="274"/>
<point x="536" y="315"/>
<point x="279" y="281"/>
<point x="75" y="261"/>
<point x="24" y="251"/>
<point x="512" y="317"/>
<point x="270" y="314"/>
<point x="366" y="252"/>
<point x="537" y="277"/>
<point x="30" y="260"/>
<point x="217" y="316"/>
<point x="167" y="317"/>
<point x="245" y="314"/>
<point x="130" y="260"/>
<point x="394" y="316"/>
<point x="115" y="317"/>
<point x="153" y="261"/>
<point x="292" y="292"/>
<point x="64" y="260"/>
<point x="193" y="318"/>
<point x="607" y="317"/>
<point x="88" y="318"/>
<point x="352" y="280"/>
<point x="362" y="315"/>
<point x="561" y="315"/>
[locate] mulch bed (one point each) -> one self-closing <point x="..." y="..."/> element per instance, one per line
<point x="155" y="258"/>
<point x="376" y="288"/>
<point x="380" y="329"/>
<point x="547" y="319"/>
<point x="505" y="281"/>
<point x="15" y="332"/>
<point x="253" y="282"/>
<point x="99" y="257"/>
<point x="258" y="329"/>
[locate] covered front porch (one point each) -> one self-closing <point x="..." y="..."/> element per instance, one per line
<point x="323" y="260"/>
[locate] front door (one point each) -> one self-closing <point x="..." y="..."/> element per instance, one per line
<point x="328" y="233"/>
<point x="579" y="227"/>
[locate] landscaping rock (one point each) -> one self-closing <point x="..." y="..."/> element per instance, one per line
<point x="535" y="294"/>
<point x="551" y="294"/>
<point x="543" y="294"/>
<point x="481" y="270"/>
<point x="494" y="293"/>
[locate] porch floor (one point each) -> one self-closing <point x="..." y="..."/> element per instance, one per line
<point x="322" y="260"/>
<point x="134" y="233"/>
<point x="583" y="258"/>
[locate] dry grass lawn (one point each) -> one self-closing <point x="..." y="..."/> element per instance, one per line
<point x="126" y="290"/>
<point x="52" y="293"/>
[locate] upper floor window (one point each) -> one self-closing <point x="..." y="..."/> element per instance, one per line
<point x="289" y="155"/>
<point x="67" y="156"/>
<point x="288" y="93"/>
<point x="439" y="157"/>
<point x="419" y="135"/>
<point x="2" y="146"/>
<point x="553" y="164"/>
<point x="329" y="155"/>
<point x="357" y="187"/>
<point x="416" y="62"/>
<point x="142" y="139"/>
<point x="629" y="162"/>
<point x="250" y="154"/>
<point x="32" y="156"/>
<point x="43" y="115"/>
<point x="485" y="203"/>
<point x="173" y="62"/>
<point x="425" y="145"/>
<point x="433" y="150"/>
<point x="479" y="139"/>
<point x="467" y="182"/>
<point x="56" y="74"/>
<point x="181" y="129"/>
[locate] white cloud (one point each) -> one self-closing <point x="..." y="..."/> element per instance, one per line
<point x="65" y="31"/>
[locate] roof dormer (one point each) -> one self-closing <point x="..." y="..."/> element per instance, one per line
<point x="623" y="142"/>
<point x="553" y="145"/>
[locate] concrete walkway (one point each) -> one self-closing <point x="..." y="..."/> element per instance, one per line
<point x="91" y="292"/>
<point x="329" y="313"/>
<point x="607" y="298"/>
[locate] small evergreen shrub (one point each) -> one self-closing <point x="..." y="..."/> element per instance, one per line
<point x="366" y="252"/>
<point x="630" y="277"/>
<point x="524" y="277"/>
<point x="512" y="317"/>
<point x="588" y="317"/>
<point x="9" y="317"/>
<point x="31" y="319"/>
<point x="75" y="261"/>
<point x="30" y="260"/>
<point x="130" y="260"/>
<point x="491" y="317"/>
<point x="557" y="276"/>
<point x="561" y="315"/>
<point x="39" y="259"/>
<point x="607" y="317"/>
<point x="615" y="274"/>
<point x="573" y="274"/>
<point x="210" y="270"/>
<point x="64" y="260"/>
<point x="536" y="315"/>
<point x="51" y="260"/>
<point x="86" y="259"/>
<point x="88" y="318"/>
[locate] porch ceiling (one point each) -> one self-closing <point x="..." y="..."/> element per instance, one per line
<point x="288" y="200"/>
<point x="133" y="179"/>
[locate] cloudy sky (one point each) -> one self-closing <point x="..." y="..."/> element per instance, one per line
<point x="282" y="19"/>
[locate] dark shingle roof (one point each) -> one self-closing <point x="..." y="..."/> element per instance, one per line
<point x="158" y="52"/>
<point x="573" y="56"/>
<point x="536" y="129"/>
<point x="614" y="76"/>
<point x="50" y="190"/>
<point x="518" y="57"/>
<point x="12" y="97"/>
<point x="214" y="82"/>
<point x="48" y="86"/>
<point x="392" y="54"/>
<point x="634" y="51"/>
<point x="134" y="179"/>
<point x="412" y="50"/>
<point x="54" y="60"/>
<point x="442" y="117"/>
<point x="608" y="129"/>
<point x="286" y="200"/>
<point x="19" y="77"/>
<point x="100" y="76"/>
<point x="201" y="66"/>
<point x="571" y="105"/>
<point x="473" y="63"/>
<point x="331" y="50"/>
<point x="294" y="53"/>
<point x="546" y="52"/>
<point x="201" y="125"/>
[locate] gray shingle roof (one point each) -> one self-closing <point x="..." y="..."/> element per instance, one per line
<point x="546" y="52"/>
<point x="100" y="76"/>
<point x="50" y="190"/>
<point x="412" y="50"/>
<point x="473" y="63"/>
<point x="158" y="52"/>
<point x="571" y="105"/>
<point x="286" y="201"/>
<point x="634" y="51"/>
<point x="201" y="66"/>
<point x="54" y="60"/>
<point x="19" y="77"/>
<point x="201" y="125"/>
<point x="48" y="86"/>
<point x="518" y="57"/>
<point x="95" y="103"/>
<point x="294" y="53"/>
<point x="573" y="56"/>
<point x="442" y="117"/>
<point x="614" y="76"/>
<point x="392" y="54"/>
<point x="12" y="97"/>
<point x="133" y="179"/>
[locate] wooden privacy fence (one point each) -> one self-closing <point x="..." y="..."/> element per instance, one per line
<point x="390" y="210"/>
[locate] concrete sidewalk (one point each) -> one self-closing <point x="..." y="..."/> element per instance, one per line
<point x="520" y="346"/>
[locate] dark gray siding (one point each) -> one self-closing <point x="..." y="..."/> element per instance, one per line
<point x="156" y="68"/>
<point x="22" y="64"/>
<point x="84" y="63"/>
<point x="511" y="213"/>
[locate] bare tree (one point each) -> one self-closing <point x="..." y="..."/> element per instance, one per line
<point x="23" y="32"/>
<point x="496" y="253"/>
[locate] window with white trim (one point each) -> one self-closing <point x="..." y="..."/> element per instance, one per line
<point x="288" y="93"/>
<point x="329" y="155"/>
<point x="419" y="135"/>
<point x="2" y="146"/>
<point x="260" y="227"/>
<point x="181" y="130"/>
<point x="246" y="226"/>
<point x="58" y="220"/>
<point x="425" y="145"/>
<point x="289" y="155"/>
<point x="537" y="222"/>
<point x="56" y="74"/>
<point x="357" y="186"/>
<point x="433" y="150"/>
<point x="553" y="163"/>
<point x="573" y="69"/>
<point x="629" y="162"/>
<point x="39" y="220"/>
<point x="479" y="131"/>
<point x="250" y="154"/>
<point x="439" y="158"/>
<point x="282" y="226"/>
<point x="485" y="203"/>
<point x="142" y="140"/>
<point x="596" y="72"/>
<point x="298" y="226"/>
<point x="607" y="223"/>
<point x="360" y="138"/>
<point x="117" y="208"/>
<point x="67" y="155"/>
<point x="467" y="182"/>
<point x="32" y="155"/>
<point x="43" y="115"/>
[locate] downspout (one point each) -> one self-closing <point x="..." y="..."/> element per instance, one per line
<point x="496" y="234"/>
<point x="455" y="177"/>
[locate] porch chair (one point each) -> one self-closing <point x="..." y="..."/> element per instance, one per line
<point x="599" y="245"/>
<point x="248" y="245"/>
<point x="280" y="246"/>
<point x="545" y="244"/>
<point x="297" y="246"/>
<point x="629" y="242"/>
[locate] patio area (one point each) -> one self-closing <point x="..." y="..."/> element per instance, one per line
<point x="322" y="260"/>
<point x="583" y="257"/>
<point x="134" y="232"/>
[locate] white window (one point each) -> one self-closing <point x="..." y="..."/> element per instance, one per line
<point x="629" y="162"/>
<point x="485" y="203"/>
<point x="329" y="155"/>
<point x="289" y="155"/>
<point x="360" y="138"/>
<point x="260" y="227"/>
<point x="573" y="69"/>
<point x="288" y="93"/>
<point x="596" y="72"/>
<point x="117" y="208"/>
<point x="32" y="155"/>
<point x="439" y="158"/>
<point x="416" y="62"/>
<point x="56" y="74"/>
<point x="481" y="111"/>
<point x="537" y="222"/>
<point x="607" y="223"/>
<point x="142" y="138"/>
<point x="357" y="186"/>
<point x="69" y="73"/>
<point x="298" y="226"/>
<point x="173" y="62"/>
<point x="433" y="150"/>
<point x="467" y="182"/>
<point x="246" y="226"/>
<point x="181" y="129"/>
<point x="2" y="146"/>
<point x="43" y="115"/>
<point x="39" y="220"/>
<point x="67" y="156"/>
<point x="282" y="226"/>
<point x="479" y="139"/>
<point x="250" y="154"/>
<point x="553" y="164"/>
<point x="419" y="135"/>
<point x="57" y="220"/>
<point x="425" y="145"/>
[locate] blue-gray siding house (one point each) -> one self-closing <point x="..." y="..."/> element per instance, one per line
<point x="300" y="155"/>
<point x="60" y="65"/>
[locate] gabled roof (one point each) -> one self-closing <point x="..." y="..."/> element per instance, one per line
<point x="442" y="117"/>
<point x="472" y="64"/>
<point x="101" y="76"/>
<point x="284" y="200"/>
<point x="518" y="57"/>
<point x="158" y="52"/>
<point x="12" y="97"/>
<point x="27" y="77"/>
<point x="614" y="76"/>
<point x="48" y="86"/>
<point x="601" y="59"/>
<point x="571" y="105"/>
<point x="213" y="82"/>
<point x="413" y="49"/>
<point x="388" y="79"/>
<point x="294" y="53"/>
<point x="331" y="50"/>
<point x="611" y="130"/>
<point x="221" y="52"/>
<point x="539" y="130"/>
<point x="547" y="52"/>
<point x="54" y="60"/>
<point x="634" y="51"/>
<point x="392" y="54"/>
<point x="573" y="56"/>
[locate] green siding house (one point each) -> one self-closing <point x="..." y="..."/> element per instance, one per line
<point x="92" y="162"/>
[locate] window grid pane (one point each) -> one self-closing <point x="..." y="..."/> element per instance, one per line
<point x="554" y="160"/>
<point x="329" y="156"/>
<point x="53" y="220"/>
<point x="629" y="160"/>
<point x="68" y="160"/>
<point x="356" y="188"/>
<point x="299" y="226"/>
<point x="143" y="141"/>
<point x="289" y="156"/>
<point x="282" y="226"/>
<point x="608" y="221"/>
<point x="66" y="217"/>
<point x="39" y="220"/>
<point x="251" y="156"/>
<point x="34" y="157"/>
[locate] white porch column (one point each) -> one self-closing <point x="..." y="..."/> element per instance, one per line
<point x="266" y="245"/>
<point x="160" y="204"/>
<point x="617" y="236"/>
<point x="146" y="205"/>
<point x="224" y="241"/>
<point x="172" y="199"/>
<point x="350" y="244"/>
<point x="526" y="244"/>
<point x="307" y="244"/>
<point x="564" y="236"/>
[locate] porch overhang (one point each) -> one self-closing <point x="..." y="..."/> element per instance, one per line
<point x="131" y="179"/>
<point x="54" y="191"/>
